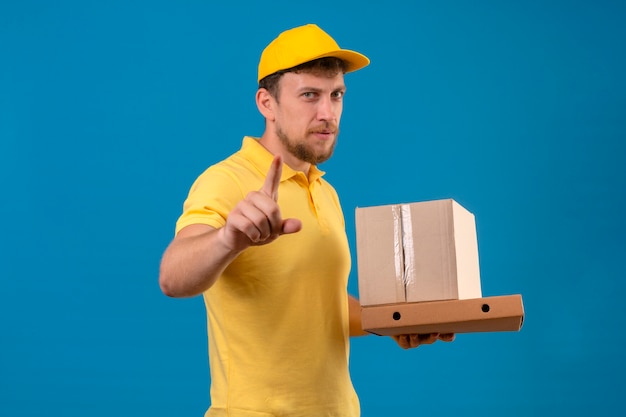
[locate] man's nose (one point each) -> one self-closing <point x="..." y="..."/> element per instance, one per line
<point x="326" y="110"/>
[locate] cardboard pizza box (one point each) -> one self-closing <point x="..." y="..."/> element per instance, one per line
<point x="489" y="314"/>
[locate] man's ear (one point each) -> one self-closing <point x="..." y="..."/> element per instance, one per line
<point x="265" y="103"/>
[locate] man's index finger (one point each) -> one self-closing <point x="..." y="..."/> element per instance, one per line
<point x="270" y="187"/>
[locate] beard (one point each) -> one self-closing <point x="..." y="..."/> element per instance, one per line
<point x="305" y="152"/>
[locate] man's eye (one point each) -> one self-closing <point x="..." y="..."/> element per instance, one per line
<point x="338" y="94"/>
<point x="308" y="94"/>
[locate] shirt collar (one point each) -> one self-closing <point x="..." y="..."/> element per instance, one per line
<point x="261" y="158"/>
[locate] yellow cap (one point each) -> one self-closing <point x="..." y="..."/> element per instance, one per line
<point x="303" y="44"/>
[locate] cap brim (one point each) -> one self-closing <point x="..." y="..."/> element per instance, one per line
<point x="353" y="59"/>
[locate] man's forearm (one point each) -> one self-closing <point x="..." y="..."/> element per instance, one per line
<point x="355" y="317"/>
<point x="193" y="262"/>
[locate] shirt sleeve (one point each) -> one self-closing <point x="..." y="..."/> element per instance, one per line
<point x="212" y="196"/>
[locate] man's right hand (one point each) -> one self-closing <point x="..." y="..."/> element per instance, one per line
<point x="199" y="253"/>
<point x="256" y="220"/>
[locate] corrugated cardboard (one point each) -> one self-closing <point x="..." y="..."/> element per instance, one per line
<point x="490" y="314"/>
<point x="417" y="252"/>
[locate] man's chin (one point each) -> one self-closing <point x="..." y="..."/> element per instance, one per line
<point x="323" y="157"/>
<point x="324" y="152"/>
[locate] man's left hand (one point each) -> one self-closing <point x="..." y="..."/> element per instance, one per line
<point x="408" y="341"/>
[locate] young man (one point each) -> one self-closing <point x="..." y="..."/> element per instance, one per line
<point x="262" y="237"/>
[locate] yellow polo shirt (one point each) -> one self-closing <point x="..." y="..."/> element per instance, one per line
<point x="278" y="316"/>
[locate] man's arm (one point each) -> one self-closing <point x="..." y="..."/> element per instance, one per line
<point x="199" y="253"/>
<point x="193" y="261"/>
<point x="355" y="317"/>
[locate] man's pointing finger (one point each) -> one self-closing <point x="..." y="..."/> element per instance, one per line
<point x="270" y="187"/>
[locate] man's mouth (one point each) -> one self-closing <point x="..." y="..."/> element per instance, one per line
<point x="324" y="134"/>
<point x="324" y="131"/>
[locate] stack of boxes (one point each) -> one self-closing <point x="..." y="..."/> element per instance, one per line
<point x="419" y="272"/>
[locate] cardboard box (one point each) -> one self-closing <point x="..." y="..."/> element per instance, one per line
<point x="490" y="314"/>
<point x="417" y="252"/>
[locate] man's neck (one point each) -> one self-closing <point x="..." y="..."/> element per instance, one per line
<point x="275" y="147"/>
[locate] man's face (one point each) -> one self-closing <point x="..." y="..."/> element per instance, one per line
<point x="308" y="113"/>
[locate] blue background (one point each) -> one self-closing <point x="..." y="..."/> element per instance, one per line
<point x="109" y="110"/>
